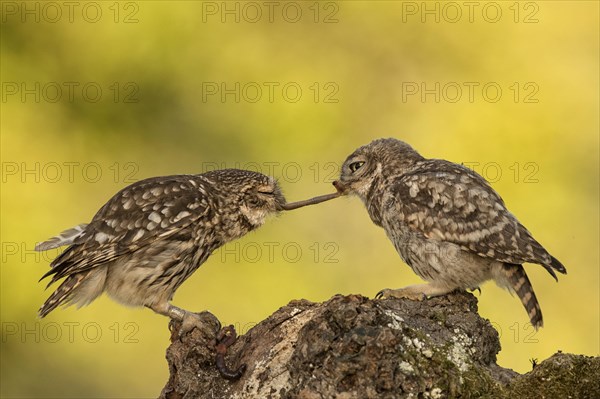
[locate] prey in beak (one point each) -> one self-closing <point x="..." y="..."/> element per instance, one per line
<point x="312" y="201"/>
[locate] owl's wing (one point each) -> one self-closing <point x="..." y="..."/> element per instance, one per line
<point x="448" y="202"/>
<point x="137" y="216"/>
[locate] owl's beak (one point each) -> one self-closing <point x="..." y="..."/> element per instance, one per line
<point x="312" y="201"/>
<point x="339" y="186"/>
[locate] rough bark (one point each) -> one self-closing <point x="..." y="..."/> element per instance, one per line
<point x="353" y="347"/>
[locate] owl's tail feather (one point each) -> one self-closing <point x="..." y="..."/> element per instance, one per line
<point x="552" y="265"/>
<point x="557" y="265"/>
<point x="520" y="284"/>
<point x="62" y="294"/>
<point x="65" y="238"/>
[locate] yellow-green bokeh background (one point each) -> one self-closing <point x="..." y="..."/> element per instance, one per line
<point x="368" y="53"/>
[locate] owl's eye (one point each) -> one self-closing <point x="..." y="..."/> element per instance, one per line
<point x="354" y="166"/>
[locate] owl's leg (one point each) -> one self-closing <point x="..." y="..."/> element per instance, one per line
<point x="188" y="320"/>
<point x="416" y="292"/>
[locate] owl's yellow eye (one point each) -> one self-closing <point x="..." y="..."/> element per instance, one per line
<point x="354" y="166"/>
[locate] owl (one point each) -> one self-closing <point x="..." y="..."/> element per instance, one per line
<point x="152" y="235"/>
<point x="445" y="221"/>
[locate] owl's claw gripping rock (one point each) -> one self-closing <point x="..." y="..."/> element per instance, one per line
<point x="195" y="320"/>
<point x="225" y="338"/>
<point x="401" y="293"/>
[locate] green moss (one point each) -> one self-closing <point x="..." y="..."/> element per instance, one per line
<point x="439" y="316"/>
<point x="560" y="376"/>
<point x="477" y="383"/>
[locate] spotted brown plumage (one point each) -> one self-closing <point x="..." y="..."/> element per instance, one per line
<point x="152" y="235"/>
<point x="446" y="222"/>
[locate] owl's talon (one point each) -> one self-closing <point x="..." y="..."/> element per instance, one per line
<point x="401" y="293"/>
<point x="380" y="294"/>
<point x="416" y="297"/>
<point x="478" y="289"/>
<point x="194" y="320"/>
<point x="189" y="322"/>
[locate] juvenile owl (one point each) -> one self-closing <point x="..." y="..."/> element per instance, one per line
<point x="445" y="221"/>
<point x="152" y="235"/>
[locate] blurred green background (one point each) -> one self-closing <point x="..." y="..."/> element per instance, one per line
<point x="98" y="95"/>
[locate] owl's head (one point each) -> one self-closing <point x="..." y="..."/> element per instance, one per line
<point x="374" y="162"/>
<point x="263" y="194"/>
<point x="254" y="194"/>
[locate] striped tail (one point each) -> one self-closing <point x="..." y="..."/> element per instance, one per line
<point x="62" y="294"/>
<point x="520" y="284"/>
